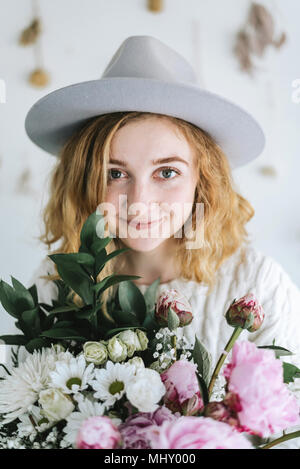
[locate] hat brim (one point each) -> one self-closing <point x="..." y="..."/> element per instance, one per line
<point x="52" y="120"/>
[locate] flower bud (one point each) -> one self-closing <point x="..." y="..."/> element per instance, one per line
<point x="192" y="406"/>
<point x="246" y="313"/>
<point x="117" y="350"/>
<point x="178" y="303"/>
<point x="142" y="339"/>
<point x="95" y="352"/>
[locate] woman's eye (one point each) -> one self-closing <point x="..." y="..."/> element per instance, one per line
<point x="113" y="172"/>
<point x="167" y="172"/>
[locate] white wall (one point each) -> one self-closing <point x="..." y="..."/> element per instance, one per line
<point x="78" y="41"/>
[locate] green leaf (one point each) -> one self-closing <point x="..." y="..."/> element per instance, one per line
<point x="132" y="300"/>
<point x="150" y="295"/>
<point x="290" y="372"/>
<point x="17" y="339"/>
<point x="23" y="291"/>
<point x="13" y="300"/>
<point x="102" y="258"/>
<point x="123" y="317"/>
<point x="173" y="319"/>
<point x="33" y="292"/>
<point x="98" y="246"/>
<point x="75" y="277"/>
<point x="203" y="360"/>
<point x="36" y="344"/>
<point x="64" y="309"/>
<point x="63" y="333"/>
<point x="279" y="351"/>
<point x="150" y="323"/>
<point x="203" y="389"/>
<point x="63" y="324"/>
<point x="32" y="320"/>
<point x="111" y="280"/>
<point x="92" y="230"/>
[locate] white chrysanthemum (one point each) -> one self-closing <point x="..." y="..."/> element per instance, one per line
<point x="20" y="390"/>
<point x="26" y="427"/>
<point x="110" y="383"/>
<point x="72" y="377"/>
<point x="87" y="408"/>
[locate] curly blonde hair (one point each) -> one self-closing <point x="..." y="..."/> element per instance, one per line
<point x="79" y="183"/>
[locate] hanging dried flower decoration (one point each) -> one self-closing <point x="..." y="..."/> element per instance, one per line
<point x="31" y="35"/>
<point x="269" y="171"/>
<point x="155" y="5"/>
<point x="257" y="34"/>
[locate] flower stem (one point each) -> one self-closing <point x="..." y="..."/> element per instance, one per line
<point x="222" y="358"/>
<point x="288" y="436"/>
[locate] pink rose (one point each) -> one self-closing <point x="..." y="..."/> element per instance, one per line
<point x="257" y="393"/>
<point x="178" y="303"/>
<point x="182" y="388"/>
<point x="134" y="429"/>
<point x="196" y="433"/>
<point x="246" y="313"/>
<point x="98" y="433"/>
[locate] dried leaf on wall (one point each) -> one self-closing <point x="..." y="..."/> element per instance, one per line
<point x="269" y="171"/>
<point x="155" y="5"/>
<point x="30" y="34"/>
<point x="23" y="185"/>
<point x="257" y="34"/>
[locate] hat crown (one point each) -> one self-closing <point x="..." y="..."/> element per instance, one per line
<point x="148" y="57"/>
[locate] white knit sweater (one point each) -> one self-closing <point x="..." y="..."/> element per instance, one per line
<point x="247" y="270"/>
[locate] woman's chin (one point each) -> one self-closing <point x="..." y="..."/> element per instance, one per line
<point x="143" y="244"/>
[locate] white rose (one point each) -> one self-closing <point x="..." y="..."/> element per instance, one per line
<point x="55" y="405"/>
<point x="145" y="390"/>
<point x="137" y="362"/>
<point x="95" y="352"/>
<point x="117" y="350"/>
<point x="130" y="339"/>
<point x="142" y="339"/>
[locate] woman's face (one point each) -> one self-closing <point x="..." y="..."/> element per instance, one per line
<point x="142" y="188"/>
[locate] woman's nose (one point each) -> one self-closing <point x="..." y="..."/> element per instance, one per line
<point x="140" y="192"/>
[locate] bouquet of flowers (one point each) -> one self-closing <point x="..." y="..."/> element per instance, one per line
<point x="126" y="377"/>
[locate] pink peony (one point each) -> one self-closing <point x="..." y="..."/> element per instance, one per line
<point x="134" y="429"/>
<point x="178" y="303"/>
<point x="98" y="433"/>
<point x="246" y="313"/>
<point x="260" y="398"/>
<point x="196" y="433"/>
<point x="182" y="388"/>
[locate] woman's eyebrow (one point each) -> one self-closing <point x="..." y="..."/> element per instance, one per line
<point x="154" y="162"/>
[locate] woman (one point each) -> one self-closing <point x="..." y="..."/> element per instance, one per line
<point x="156" y="148"/>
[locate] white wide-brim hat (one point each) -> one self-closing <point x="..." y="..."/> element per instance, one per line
<point x="145" y="75"/>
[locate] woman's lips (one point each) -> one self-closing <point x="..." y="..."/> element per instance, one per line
<point x="139" y="225"/>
